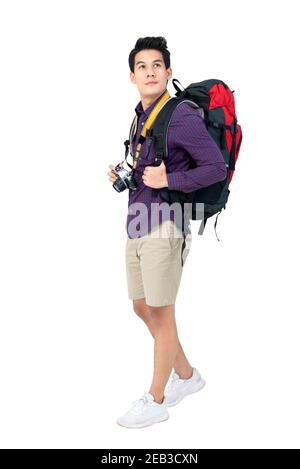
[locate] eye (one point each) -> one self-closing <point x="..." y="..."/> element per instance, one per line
<point x="142" y="66"/>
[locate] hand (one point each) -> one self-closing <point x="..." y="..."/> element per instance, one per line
<point x="155" y="176"/>
<point x="111" y="176"/>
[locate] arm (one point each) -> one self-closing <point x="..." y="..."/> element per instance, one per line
<point x="188" y="132"/>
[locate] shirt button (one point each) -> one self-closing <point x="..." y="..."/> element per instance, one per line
<point x="143" y="123"/>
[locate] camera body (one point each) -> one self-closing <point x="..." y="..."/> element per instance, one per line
<point x="125" y="179"/>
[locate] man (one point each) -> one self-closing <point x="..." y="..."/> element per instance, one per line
<point x="156" y="250"/>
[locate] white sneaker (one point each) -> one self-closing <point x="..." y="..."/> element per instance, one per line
<point x="144" y="412"/>
<point x="179" y="388"/>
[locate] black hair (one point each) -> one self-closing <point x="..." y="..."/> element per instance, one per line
<point x="158" y="43"/>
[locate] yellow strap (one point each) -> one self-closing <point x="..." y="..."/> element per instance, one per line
<point x="149" y="122"/>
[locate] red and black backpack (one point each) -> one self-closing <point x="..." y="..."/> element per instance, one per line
<point x="215" y="102"/>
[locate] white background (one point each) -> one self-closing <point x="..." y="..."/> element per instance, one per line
<point x="73" y="354"/>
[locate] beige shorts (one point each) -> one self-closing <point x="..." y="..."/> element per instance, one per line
<point x="154" y="264"/>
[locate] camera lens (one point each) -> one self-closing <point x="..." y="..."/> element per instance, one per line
<point x="119" y="185"/>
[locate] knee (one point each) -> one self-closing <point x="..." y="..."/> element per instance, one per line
<point x="162" y="315"/>
<point x="140" y="308"/>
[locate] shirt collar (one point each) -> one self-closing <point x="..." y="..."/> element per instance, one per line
<point x="139" y="108"/>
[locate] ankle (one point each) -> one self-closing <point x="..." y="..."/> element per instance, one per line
<point x="158" y="398"/>
<point x="185" y="374"/>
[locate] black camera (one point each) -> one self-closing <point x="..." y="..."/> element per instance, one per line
<point x="125" y="179"/>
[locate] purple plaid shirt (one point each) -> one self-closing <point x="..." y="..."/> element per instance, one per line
<point x="189" y="145"/>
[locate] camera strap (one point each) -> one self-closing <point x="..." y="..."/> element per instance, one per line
<point x="146" y="129"/>
<point x="126" y="143"/>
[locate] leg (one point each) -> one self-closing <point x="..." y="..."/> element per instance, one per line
<point x="181" y="364"/>
<point x="165" y="348"/>
<point x="161" y="270"/>
<point x="142" y="310"/>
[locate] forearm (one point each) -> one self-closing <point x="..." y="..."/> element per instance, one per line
<point x="193" y="179"/>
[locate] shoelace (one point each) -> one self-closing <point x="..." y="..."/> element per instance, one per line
<point x="174" y="382"/>
<point x="139" y="404"/>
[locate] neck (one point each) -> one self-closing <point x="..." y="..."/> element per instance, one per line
<point x="147" y="101"/>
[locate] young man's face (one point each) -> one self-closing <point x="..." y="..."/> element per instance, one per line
<point x="149" y="67"/>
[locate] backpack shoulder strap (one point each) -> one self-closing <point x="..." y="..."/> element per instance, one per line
<point x="161" y="125"/>
<point x="159" y="135"/>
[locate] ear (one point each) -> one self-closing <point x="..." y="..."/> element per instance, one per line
<point x="132" y="77"/>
